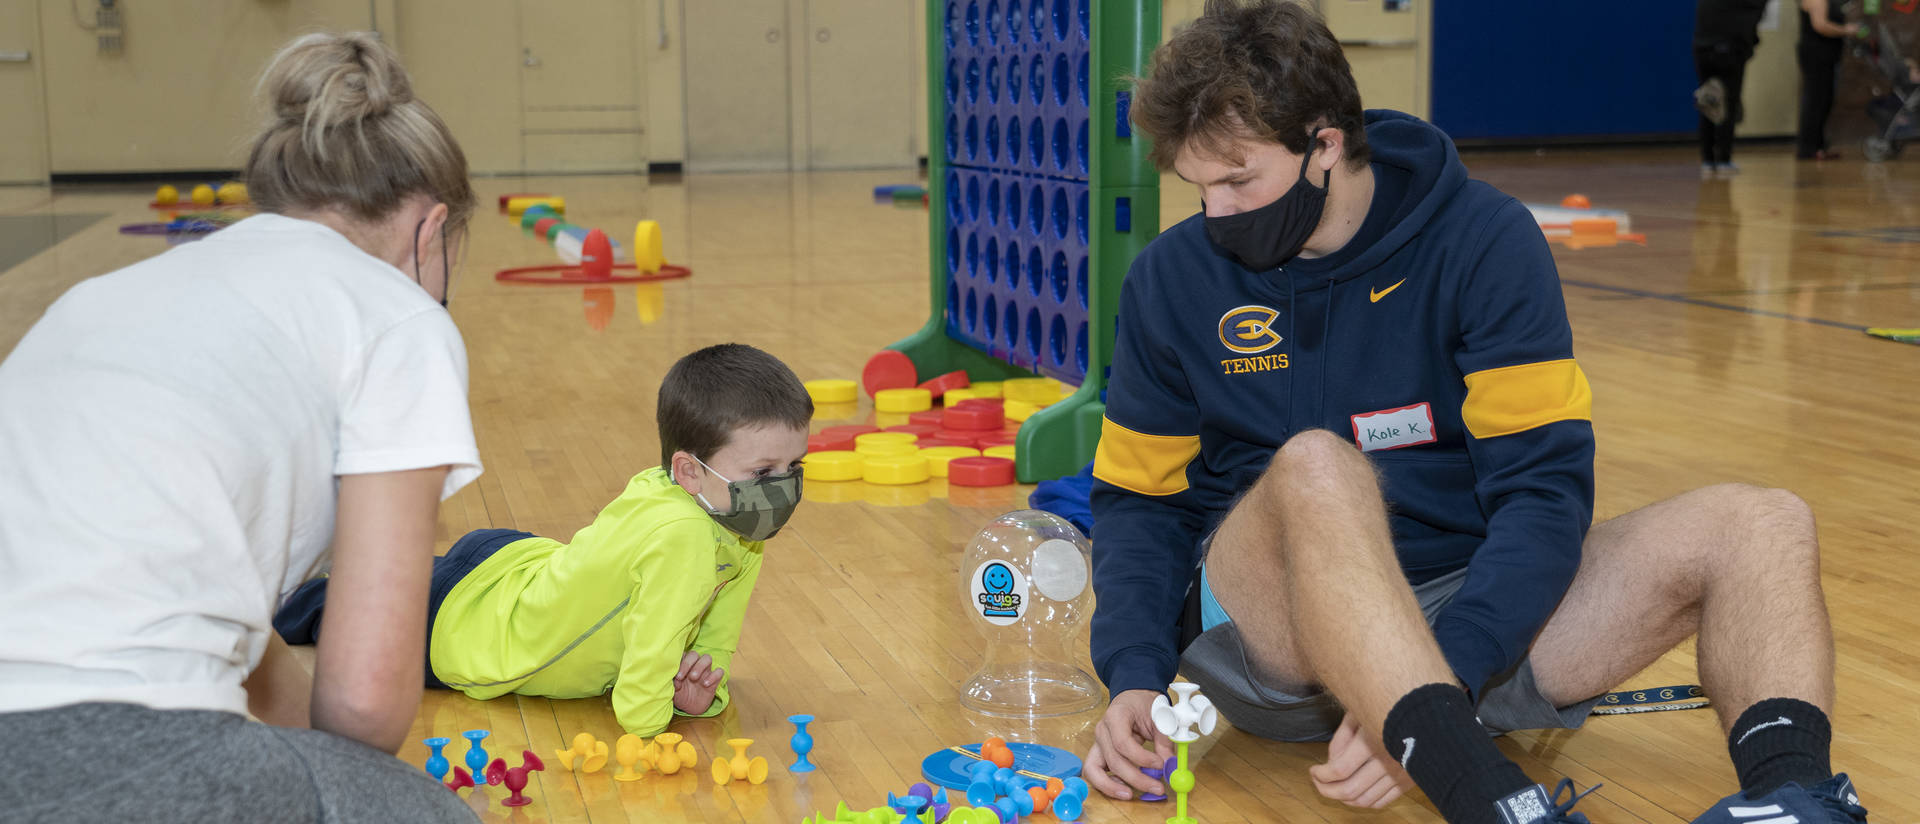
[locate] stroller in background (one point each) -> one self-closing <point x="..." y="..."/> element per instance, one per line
<point x="1896" y="111"/>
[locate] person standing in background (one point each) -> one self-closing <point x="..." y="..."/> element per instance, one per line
<point x="1725" y="33"/>
<point x="1822" y="31"/>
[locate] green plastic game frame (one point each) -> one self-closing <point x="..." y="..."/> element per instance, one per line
<point x="1060" y="439"/>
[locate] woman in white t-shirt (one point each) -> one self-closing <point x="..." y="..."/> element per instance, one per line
<point x="184" y="441"/>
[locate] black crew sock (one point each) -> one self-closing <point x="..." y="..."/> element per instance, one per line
<point x="1780" y="740"/>
<point x="1436" y="737"/>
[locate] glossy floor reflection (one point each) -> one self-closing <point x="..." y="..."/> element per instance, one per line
<point x="1727" y="348"/>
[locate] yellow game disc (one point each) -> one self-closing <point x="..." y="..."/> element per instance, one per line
<point x="954" y="396"/>
<point x="517" y="206"/>
<point x="866" y="438"/>
<point x="988" y="389"/>
<point x="1031" y="390"/>
<point x="894" y="470"/>
<point x="1020" y="410"/>
<point x="885" y="443"/>
<point x="1000" y="452"/>
<point x="832" y="391"/>
<point x="903" y="400"/>
<point x="648" y="254"/>
<point x="875" y="450"/>
<point x="834" y="466"/>
<point x="939" y="456"/>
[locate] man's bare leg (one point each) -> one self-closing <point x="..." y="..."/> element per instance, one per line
<point x="1305" y="565"/>
<point x="1737" y="564"/>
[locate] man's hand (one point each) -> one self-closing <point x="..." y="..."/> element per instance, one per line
<point x="1358" y="770"/>
<point x="695" y="684"/>
<point x="1113" y="765"/>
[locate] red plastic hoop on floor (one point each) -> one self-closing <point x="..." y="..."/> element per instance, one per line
<point x="577" y="276"/>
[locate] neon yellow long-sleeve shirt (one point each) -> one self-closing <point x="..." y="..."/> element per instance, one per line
<point x="614" y="610"/>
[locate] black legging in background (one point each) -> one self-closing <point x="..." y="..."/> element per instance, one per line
<point x="1726" y="63"/>
<point x="1819" y="64"/>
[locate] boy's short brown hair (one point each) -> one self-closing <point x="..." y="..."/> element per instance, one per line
<point x="1265" y="69"/>
<point x="714" y="391"/>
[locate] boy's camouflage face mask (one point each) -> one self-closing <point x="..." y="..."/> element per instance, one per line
<point x="760" y="505"/>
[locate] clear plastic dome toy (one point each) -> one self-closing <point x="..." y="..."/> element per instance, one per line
<point x="1026" y="578"/>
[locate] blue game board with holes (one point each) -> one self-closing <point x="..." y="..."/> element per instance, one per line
<point x="1016" y="100"/>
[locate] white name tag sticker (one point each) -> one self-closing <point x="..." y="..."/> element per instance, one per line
<point x="1394" y="428"/>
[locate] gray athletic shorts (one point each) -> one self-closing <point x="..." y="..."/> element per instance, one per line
<point x="1218" y="662"/>
<point x="121" y="762"/>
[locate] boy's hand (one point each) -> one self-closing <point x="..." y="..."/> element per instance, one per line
<point x="695" y="684"/>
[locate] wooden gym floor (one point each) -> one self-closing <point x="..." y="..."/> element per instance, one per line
<point x="1723" y="350"/>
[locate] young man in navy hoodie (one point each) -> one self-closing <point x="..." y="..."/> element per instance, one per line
<point x="1346" y="475"/>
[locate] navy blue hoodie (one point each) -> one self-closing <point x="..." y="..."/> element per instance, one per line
<point x="1437" y="341"/>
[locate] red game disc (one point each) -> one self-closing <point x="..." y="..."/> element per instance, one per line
<point x="991" y="403"/>
<point x="974" y="418"/>
<point x="930" y="417"/>
<point x="952" y="380"/>
<point x="980" y="472"/>
<point x="850" y="430"/>
<point x="946" y="439"/>
<point x="1001" y="438"/>
<point x="918" y="430"/>
<point x="825" y="442"/>
<point x="889" y="369"/>
<point x="954" y="437"/>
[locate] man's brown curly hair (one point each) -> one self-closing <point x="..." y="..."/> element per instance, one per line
<point x="1263" y="69"/>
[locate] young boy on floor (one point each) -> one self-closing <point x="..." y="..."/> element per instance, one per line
<point x="647" y="601"/>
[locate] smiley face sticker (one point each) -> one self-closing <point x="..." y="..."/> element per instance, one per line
<point x="999" y="593"/>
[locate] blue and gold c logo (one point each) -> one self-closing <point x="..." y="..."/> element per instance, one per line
<point x="1248" y="330"/>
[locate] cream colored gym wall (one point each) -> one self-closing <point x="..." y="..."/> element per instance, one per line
<point x="23" y="116"/>
<point x="661" y="33"/>
<point x="1771" y="90"/>
<point x="464" y="57"/>
<point x="919" y="58"/>
<point x="180" y="94"/>
<point x="859" y="91"/>
<point x="581" y="87"/>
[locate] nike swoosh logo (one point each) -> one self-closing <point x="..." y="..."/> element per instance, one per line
<point x="1374" y="296"/>
<point x="1408" y="754"/>
<point x="1778" y="722"/>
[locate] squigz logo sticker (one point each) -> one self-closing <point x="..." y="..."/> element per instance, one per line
<point x="999" y="592"/>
